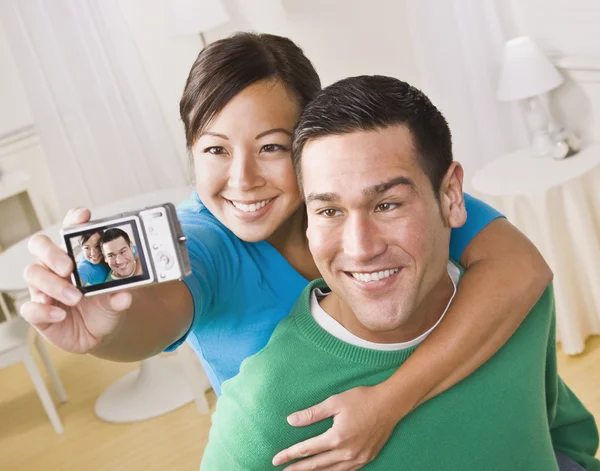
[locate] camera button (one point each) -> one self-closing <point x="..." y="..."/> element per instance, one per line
<point x="163" y="260"/>
<point x="155" y="246"/>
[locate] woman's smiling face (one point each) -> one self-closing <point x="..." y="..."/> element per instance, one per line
<point x="91" y="249"/>
<point x="242" y="160"/>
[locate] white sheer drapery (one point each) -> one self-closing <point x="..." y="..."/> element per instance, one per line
<point x="458" y="47"/>
<point x="99" y="120"/>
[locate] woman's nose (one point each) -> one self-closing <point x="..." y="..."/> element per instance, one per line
<point x="244" y="174"/>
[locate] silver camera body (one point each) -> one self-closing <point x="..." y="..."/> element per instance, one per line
<point x="128" y="250"/>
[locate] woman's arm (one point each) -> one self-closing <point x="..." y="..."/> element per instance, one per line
<point x="504" y="278"/>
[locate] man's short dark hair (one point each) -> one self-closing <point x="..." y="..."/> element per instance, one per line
<point x="113" y="234"/>
<point x="369" y="103"/>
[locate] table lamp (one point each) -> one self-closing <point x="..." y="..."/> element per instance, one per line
<point x="527" y="73"/>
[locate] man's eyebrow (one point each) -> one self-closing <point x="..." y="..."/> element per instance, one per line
<point x="273" y="131"/>
<point x="368" y="192"/>
<point x="216" y="134"/>
<point x="327" y="197"/>
<point x="385" y="186"/>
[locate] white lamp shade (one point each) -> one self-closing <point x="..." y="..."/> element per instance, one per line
<point x="195" y="16"/>
<point x="526" y="71"/>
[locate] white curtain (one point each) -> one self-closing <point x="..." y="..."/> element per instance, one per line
<point x="458" y="46"/>
<point x="100" y="123"/>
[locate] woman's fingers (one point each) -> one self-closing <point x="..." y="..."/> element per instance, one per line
<point x="36" y="313"/>
<point x="119" y="301"/>
<point x="76" y="216"/>
<point x="38" y="296"/>
<point x="50" y="255"/>
<point x="319" y="444"/>
<point x="42" y="279"/>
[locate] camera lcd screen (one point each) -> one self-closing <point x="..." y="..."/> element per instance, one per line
<point x="108" y="255"/>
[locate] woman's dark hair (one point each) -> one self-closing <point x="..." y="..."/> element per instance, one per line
<point x="226" y="67"/>
<point x="85" y="237"/>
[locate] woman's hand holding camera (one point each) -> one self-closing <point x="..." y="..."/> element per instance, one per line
<point x="57" y="309"/>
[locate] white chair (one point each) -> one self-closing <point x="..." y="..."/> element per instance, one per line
<point x="15" y="346"/>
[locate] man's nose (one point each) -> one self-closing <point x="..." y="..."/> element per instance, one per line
<point x="363" y="240"/>
<point x="244" y="173"/>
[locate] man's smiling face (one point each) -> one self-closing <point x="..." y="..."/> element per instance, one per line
<point x="377" y="231"/>
<point x="119" y="256"/>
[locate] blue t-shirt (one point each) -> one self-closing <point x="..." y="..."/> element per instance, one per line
<point x="241" y="290"/>
<point x="90" y="274"/>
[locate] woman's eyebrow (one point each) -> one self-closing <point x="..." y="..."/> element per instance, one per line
<point x="216" y="134"/>
<point x="272" y="131"/>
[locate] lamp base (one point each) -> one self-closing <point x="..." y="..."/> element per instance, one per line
<point x="539" y="124"/>
<point x="542" y="145"/>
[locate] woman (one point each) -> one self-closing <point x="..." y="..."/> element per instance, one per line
<point x="92" y="268"/>
<point x="250" y="260"/>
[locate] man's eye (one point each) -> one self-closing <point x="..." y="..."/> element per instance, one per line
<point x="215" y="150"/>
<point x="273" y="148"/>
<point x="330" y="213"/>
<point x="386" y="207"/>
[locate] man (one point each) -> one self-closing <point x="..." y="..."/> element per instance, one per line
<point x="120" y="255"/>
<point x="374" y="159"/>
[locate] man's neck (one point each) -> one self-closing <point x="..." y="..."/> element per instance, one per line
<point x="421" y="320"/>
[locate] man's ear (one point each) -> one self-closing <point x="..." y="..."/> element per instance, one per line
<point x="451" y="196"/>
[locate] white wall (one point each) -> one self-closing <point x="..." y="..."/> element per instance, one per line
<point x="342" y="39"/>
<point x="559" y="26"/>
<point x="14" y="109"/>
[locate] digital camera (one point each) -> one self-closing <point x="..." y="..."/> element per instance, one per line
<point x="127" y="250"/>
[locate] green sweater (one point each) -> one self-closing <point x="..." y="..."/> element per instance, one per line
<point x="508" y="415"/>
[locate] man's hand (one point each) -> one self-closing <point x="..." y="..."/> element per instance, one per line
<point x="362" y="424"/>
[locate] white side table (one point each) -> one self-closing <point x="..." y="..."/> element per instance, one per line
<point x="557" y="205"/>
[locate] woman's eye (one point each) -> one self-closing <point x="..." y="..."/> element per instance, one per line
<point x="385" y="207"/>
<point x="272" y="148"/>
<point x="215" y="150"/>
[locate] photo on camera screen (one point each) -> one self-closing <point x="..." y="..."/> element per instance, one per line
<point x="108" y="256"/>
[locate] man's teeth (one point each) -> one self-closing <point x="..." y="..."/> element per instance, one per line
<point x="375" y="276"/>
<point x="250" y="208"/>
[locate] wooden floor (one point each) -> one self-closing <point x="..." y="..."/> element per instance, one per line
<point x="174" y="441"/>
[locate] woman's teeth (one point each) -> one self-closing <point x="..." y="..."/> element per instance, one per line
<point x="250" y="208"/>
<point x="375" y="276"/>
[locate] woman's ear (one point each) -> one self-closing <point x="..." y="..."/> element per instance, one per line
<point x="451" y="196"/>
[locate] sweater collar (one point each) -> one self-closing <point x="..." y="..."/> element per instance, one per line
<point x="309" y="328"/>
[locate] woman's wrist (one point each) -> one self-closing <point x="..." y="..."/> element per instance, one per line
<point x="401" y="399"/>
